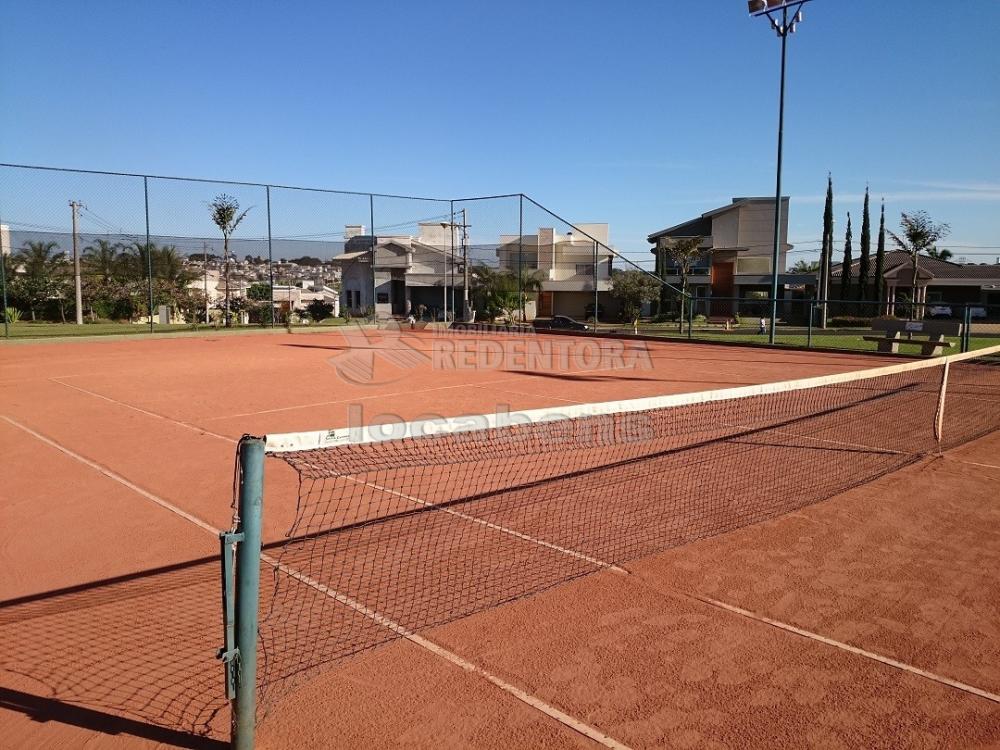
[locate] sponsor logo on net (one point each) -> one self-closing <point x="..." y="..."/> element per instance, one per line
<point x="381" y="356"/>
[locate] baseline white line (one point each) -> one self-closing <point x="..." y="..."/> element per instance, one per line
<point x="453" y="658"/>
<point x="165" y="504"/>
<point x="353" y="399"/>
<point x="849" y="648"/>
<point x="187" y="425"/>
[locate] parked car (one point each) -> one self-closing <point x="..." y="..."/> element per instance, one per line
<point x="560" y="322"/>
<point x="977" y="313"/>
<point x="939" y="311"/>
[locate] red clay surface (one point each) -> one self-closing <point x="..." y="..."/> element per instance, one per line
<point x="109" y="606"/>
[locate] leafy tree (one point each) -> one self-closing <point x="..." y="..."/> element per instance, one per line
<point x="38" y="283"/>
<point x="192" y="306"/>
<point x="866" y="249"/>
<point x="225" y="211"/>
<point x="806" y="266"/>
<point x="632" y="289"/>
<point x="319" y="309"/>
<point x="260" y="292"/>
<point x="918" y="234"/>
<point x="846" y="271"/>
<point x="880" y="260"/>
<point x="684" y="253"/>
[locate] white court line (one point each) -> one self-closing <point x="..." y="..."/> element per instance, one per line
<point x="355" y="398"/>
<point x="453" y="658"/>
<point x="148" y="413"/>
<point x="965" y="687"/>
<point x="519" y="378"/>
<point x="165" y="504"/>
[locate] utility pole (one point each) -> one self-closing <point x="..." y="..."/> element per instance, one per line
<point x="75" y="207"/>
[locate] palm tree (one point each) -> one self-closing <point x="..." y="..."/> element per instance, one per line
<point x="941" y="254"/>
<point x="684" y="252"/>
<point x="504" y="292"/>
<point x="919" y="235"/>
<point x="41" y="270"/>
<point x="226" y="216"/>
<point x="102" y="259"/>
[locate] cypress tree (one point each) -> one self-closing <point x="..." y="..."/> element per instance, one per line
<point x="826" y="253"/>
<point x="866" y="250"/>
<point x="880" y="261"/>
<point x="845" y="271"/>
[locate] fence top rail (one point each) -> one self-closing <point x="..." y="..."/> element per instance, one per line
<point x="243" y="183"/>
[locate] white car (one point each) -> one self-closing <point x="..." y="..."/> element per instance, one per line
<point x="939" y="311"/>
<point x="977" y="312"/>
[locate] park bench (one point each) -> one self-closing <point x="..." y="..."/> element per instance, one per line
<point x="929" y="335"/>
<point x="722" y="320"/>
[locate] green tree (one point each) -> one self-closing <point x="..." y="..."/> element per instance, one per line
<point x="225" y="211"/>
<point x="866" y="249"/>
<point x="880" y="261"/>
<point x="503" y="293"/>
<point x="259" y="291"/>
<point x="806" y="266"/>
<point x="684" y="253"/>
<point x="39" y="281"/>
<point x="102" y="260"/>
<point x="940" y="253"/>
<point x="918" y="234"/>
<point x="826" y="253"/>
<point x="846" y="270"/>
<point x="319" y="309"/>
<point x="632" y="289"/>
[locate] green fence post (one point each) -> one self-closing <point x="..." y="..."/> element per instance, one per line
<point x="251" y="502"/>
<point x="690" y="302"/>
<point x="966" y="328"/>
<point x="809" y="330"/>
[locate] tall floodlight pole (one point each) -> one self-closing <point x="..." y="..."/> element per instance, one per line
<point x="465" y="267"/>
<point x="782" y="28"/>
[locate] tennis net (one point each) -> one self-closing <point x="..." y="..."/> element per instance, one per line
<point x="401" y="529"/>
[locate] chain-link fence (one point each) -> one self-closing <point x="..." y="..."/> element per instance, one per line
<point x="887" y="327"/>
<point x="118" y="253"/>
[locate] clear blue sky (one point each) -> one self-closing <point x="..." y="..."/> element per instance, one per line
<point x="641" y="114"/>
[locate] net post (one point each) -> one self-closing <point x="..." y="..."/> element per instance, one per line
<point x="251" y="500"/>
<point x="690" y="312"/>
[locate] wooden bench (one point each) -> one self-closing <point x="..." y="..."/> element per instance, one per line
<point x="722" y="320"/>
<point x="929" y="335"/>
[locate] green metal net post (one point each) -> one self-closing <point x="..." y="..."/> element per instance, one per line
<point x="250" y="509"/>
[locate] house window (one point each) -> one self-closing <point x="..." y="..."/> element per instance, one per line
<point x="753" y="265"/>
<point x="584" y="269"/>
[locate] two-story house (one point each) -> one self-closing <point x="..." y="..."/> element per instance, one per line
<point x="566" y="263"/>
<point x="410" y="272"/>
<point x="427" y="270"/>
<point x="738" y="242"/>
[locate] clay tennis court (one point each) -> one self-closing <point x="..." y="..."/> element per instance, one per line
<point x="865" y="619"/>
